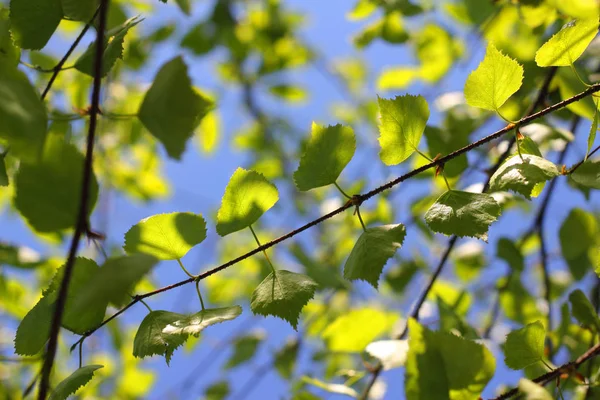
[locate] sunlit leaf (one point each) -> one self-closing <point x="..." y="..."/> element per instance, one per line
<point x="371" y="252"/>
<point x="247" y="197"/>
<point x="337" y="388"/>
<point x="391" y="353"/>
<point x="533" y="391"/>
<point x="73" y="382"/>
<point x="327" y="153"/>
<point x="525" y="346"/>
<point x="566" y="46"/>
<point x="496" y="79"/>
<point x="402" y="122"/>
<point x="463" y="214"/>
<point x="283" y="294"/>
<point x="290" y="93"/>
<point x="521" y="175"/>
<point x="172" y="109"/>
<point x="9" y="52"/>
<point x="33" y="22"/>
<point x="593" y="131"/>
<point x="166" y="236"/>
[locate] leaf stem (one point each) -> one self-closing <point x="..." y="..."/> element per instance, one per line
<point x="199" y="295"/>
<point x="264" y="251"/>
<point x="341" y="191"/>
<point x="579" y="76"/>
<point x="360" y="218"/>
<point x="80" y="354"/>
<point x="446" y="180"/>
<point x="546" y="365"/>
<point x="504" y="118"/>
<point x="425" y="156"/>
<point x="146" y="304"/>
<point x="185" y="270"/>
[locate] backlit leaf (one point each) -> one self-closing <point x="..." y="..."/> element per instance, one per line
<point x="327" y="153"/>
<point x="593" y="131"/>
<point x="79" y="10"/>
<point x="566" y="46"/>
<point x="166" y="236"/>
<point x="9" y="53"/>
<point x="588" y="174"/>
<point x="533" y="391"/>
<point x="371" y="252"/>
<point x="33" y="22"/>
<point x="402" y="122"/>
<point x="247" y="197"/>
<point x="521" y="176"/>
<point x="578" y="236"/>
<point x="463" y="214"/>
<point x="244" y="350"/>
<point x="496" y="79"/>
<point x="525" y="346"/>
<point x="171" y="108"/>
<point x="73" y="382"/>
<point x="509" y="252"/>
<point x="391" y="353"/>
<point x="47" y="192"/>
<point x="285" y="358"/>
<point x="283" y="294"/>
<point x="583" y="310"/>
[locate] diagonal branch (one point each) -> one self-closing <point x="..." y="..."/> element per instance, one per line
<point x="569" y="367"/>
<point x="81" y="226"/>
<point x="358" y="199"/>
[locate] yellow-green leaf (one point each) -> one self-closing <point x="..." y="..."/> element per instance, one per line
<point x="566" y="46"/>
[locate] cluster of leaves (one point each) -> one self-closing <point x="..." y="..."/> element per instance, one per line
<point x="41" y="169"/>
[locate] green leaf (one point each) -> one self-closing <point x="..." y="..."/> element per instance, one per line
<point x="578" y="236"/>
<point x="371" y="252"/>
<point x="593" y="130"/>
<point x="33" y="330"/>
<point x="285" y="358"/>
<point x="184" y="6"/>
<point x="509" y="252"/>
<point x="113" y="49"/>
<point x="244" y="349"/>
<point x="569" y="85"/>
<point x="47" y="193"/>
<point x="9" y="53"/>
<point x="33" y="22"/>
<point x="525" y="346"/>
<point x="521" y="176"/>
<point x="463" y="214"/>
<point x="444" y="366"/>
<point x="23" y="117"/>
<point x="166" y="236"/>
<point x="73" y="382"/>
<point x="247" y="197"/>
<point x="172" y="109"/>
<point x="217" y="391"/>
<point x="516" y="301"/>
<point x="336" y="388"/>
<point x="111" y="283"/>
<point x="327" y="153"/>
<point x="353" y="331"/>
<point x="445" y="141"/>
<point x="583" y="310"/>
<point x="402" y="122"/>
<point x="533" y="391"/>
<point x="587" y="174"/>
<point x="451" y="321"/>
<point x="161" y="332"/>
<point x="3" y="174"/>
<point x="496" y="79"/>
<point x="283" y="294"/>
<point x="566" y="46"/>
<point x="79" y="10"/>
<point x="290" y="93"/>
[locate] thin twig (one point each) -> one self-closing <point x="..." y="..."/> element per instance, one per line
<point x="569" y="367"/>
<point x="59" y="66"/>
<point x="360" y="198"/>
<point x="82" y="223"/>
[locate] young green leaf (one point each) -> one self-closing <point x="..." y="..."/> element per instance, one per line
<point x="111" y="283"/>
<point x="166" y="236"/>
<point x="283" y="294"/>
<point x="353" y="331"/>
<point x="402" y="122"/>
<point x="522" y="175"/>
<point x="578" y="236"/>
<point x="583" y="310"/>
<point x="245" y="348"/>
<point x="79" y="10"/>
<point x="113" y="49"/>
<point x="33" y="330"/>
<point x="463" y="213"/>
<point x="47" y="193"/>
<point x="247" y="197"/>
<point x="593" y="130"/>
<point x="327" y="153"/>
<point x="441" y="365"/>
<point x="496" y="79"/>
<point x="587" y="174"/>
<point x="285" y="358"/>
<point x="73" y="382"/>
<point x="371" y="252"/>
<point x="161" y="332"/>
<point x="566" y="46"/>
<point x="33" y="22"/>
<point x="9" y="53"/>
<point x="23" y="120"/>
<point x="525" y="346"/>
<point x="172" y="109"/>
